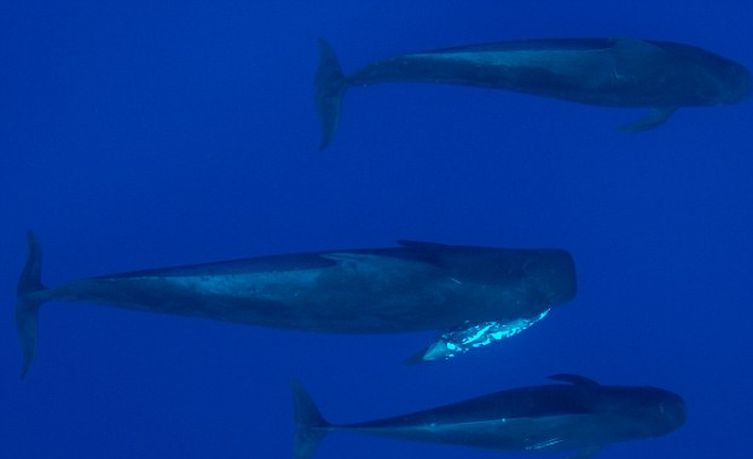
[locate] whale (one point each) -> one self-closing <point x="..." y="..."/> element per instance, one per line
<point x="576" y="415"/>
<point x="662" y="76"/>
<point x="473" y="296"/>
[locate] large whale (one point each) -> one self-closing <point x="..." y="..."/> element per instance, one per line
<point x="620" y="72"/>
<point x="474" y="295"/>
<point x="581" y="416"/>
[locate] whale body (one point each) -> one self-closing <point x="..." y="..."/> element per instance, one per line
<point x="473" y="295"/>
<point x="620" y="72"/>
<point x="580" y="415"/>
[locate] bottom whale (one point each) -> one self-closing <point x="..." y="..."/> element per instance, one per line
<point x="580" y="415"/>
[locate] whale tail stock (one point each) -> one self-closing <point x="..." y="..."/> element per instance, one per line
<point x="311" y="427"/>
<point x="331" y="84"/>
<point x="28" y="299"/>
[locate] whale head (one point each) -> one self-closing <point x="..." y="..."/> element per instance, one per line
<point x="736" y="83"/>
<point x="720" y="81"/>
<point x="640" y="412"/>
<point x="711" y="79"/>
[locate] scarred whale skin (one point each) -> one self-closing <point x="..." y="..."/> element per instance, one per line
<point x="617" y="72"/>
<point x="416" y="286"/>
<point x="580" y="415"/>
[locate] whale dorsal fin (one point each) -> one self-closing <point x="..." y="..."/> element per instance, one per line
<point x="427" y="252"/>
<point x="635" y="46"/>
<point x="420" y="244"/>
<point x="574" y="379"/>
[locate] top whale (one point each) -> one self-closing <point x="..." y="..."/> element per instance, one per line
<point x="659" y="75"/>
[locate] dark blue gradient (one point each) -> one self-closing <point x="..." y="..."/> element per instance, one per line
<point x="142" y="134"/>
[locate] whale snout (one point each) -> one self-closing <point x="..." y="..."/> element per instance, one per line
<point x="739" y="84"/>
<point x="675" y="412"/>
<point x="746" y="90"/>
<point x="670" y="413"/>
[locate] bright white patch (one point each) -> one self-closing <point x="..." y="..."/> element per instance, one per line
<point x="544" y="444"/>
<point x="463" y="340"/>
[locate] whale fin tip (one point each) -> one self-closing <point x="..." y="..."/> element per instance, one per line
<point x="654" y="118"/>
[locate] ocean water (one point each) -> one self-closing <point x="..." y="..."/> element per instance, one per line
<point x="145" y="134"/>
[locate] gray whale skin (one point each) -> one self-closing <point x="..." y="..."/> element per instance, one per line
<point x="617" y="72"/>
<point x="475" y="295"/>
<point x="581" y="415"/>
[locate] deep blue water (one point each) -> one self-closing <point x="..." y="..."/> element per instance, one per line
<point x="143" y="134"/>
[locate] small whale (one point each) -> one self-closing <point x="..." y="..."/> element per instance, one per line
<point x="580" y="415"/>
<point x="473" y="295"/>
<point x="618" y="72"/>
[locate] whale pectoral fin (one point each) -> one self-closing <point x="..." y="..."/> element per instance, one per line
<point x="656" y="117"/>
<point x="587" y="453"/>
<point x="472" y="336"/>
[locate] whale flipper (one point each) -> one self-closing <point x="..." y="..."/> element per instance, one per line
<point x="330" y="87"/>
<point x="654" y="118"/>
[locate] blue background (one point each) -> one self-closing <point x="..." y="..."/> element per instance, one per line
<point x="142" y="134"/>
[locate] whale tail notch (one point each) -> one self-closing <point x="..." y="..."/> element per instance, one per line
<point x="331" y="84"/>
<point x="28" y="302"/>
<point x="311" y="427"/>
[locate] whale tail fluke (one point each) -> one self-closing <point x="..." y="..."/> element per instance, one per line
<point x="331" y="84"/>
<point x="311" y="427"/>
<point x="28" y="301"/>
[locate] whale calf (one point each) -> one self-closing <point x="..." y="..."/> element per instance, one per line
<point x="473" y="295"/>
<point x="581" y="416"/>
<point x="618" y="72"/>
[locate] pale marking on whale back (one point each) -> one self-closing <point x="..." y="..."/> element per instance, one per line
<point x="268" y="286"/>
<point x="559" y="61"/>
